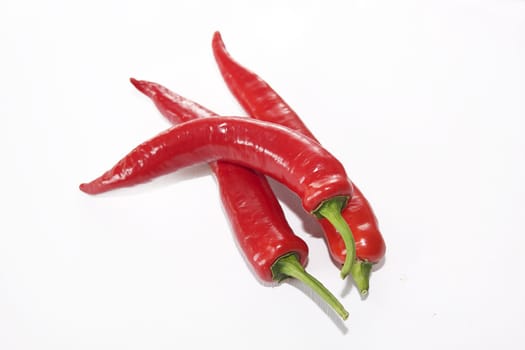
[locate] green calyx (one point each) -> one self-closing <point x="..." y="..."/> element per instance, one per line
<point x="289" y="266"/>
<point x="331" y="211"/>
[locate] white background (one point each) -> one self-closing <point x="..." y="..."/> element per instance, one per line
<point x="423" y="101"/>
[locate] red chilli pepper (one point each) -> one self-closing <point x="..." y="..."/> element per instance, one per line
<point x="295" y="160"/>
<point x="261" y="102"/>
<point x="266" y="240"/>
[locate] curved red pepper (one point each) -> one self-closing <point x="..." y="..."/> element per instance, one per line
<point x="258" y="98"/>
<point x="292" y="159"/>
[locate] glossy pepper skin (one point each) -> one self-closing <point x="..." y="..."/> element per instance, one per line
<point x="369" y="243"/>
<point x="257" y="219"/>
<point x="255" y="215"/>
<point x="298" y="162"/>
<point x="264" y="236"/>
<point x="261" y="102"/>
<point x="266" y="240"/>
<point x="358" y="213"/>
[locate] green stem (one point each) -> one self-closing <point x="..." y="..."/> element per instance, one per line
<point x="331" y="211"/>
<point x="361" y="275"/>
<point x="289" y="266"/>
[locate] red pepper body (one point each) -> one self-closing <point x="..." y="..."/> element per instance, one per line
<point x="257" y="220"/>
<point x="263" y="103"/>
<point x="293" y="159"/>
<point x="369" y="243"/>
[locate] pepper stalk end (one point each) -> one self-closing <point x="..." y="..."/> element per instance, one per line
<point x="361" y="275"/>
<point x="289" y="266"/>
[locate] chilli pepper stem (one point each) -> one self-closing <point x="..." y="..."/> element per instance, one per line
<point x="361" y="274"/>
<point x="331" y="211"/>
<point x="289" y="266"/>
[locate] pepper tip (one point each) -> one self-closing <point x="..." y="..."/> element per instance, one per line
<point x="82" y="187"/>
<point x="88" y="188"/>
<point x="147" y="88"/>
